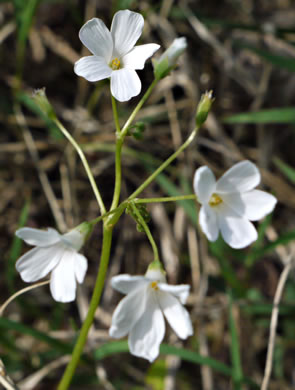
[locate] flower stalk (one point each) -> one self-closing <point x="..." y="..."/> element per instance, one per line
<point x="85" y="163"/>
<point x="165" y="164"/>
<point x="147" y="232"/>
<point x="99" y="284"/>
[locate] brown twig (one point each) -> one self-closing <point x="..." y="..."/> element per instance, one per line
<point x="274" y="322"/>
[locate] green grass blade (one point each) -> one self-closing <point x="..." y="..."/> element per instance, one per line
<point x="15" y="250"/>
<point x="274" y="115"/>
<point x="288" y="171"/>
<point x="235" y="348"/>
<point x="116" y="347"/>
<point x="276" y="60"/>
<point x="250" y="258"/>
<point x="282" y="240"/>
<point x="8" y="325"/>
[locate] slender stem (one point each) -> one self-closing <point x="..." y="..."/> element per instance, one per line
<point x="166" y="199"/>
<point x="85" y="163"/>
<point x="118" y="174"/>
<point x="118" y="209"/>
<point x="115" y="114"/>
<point x="104" y="260"/>
<point x="165" y="164"/>
<point x="147" y="231"/>
<point x="237" y="374"/>
<point x="274" y="322"/>
<point x="138" y="107"/>
<point x="18" y="293"/>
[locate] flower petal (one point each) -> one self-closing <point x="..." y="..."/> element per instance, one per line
<point x="128" y="312"/>
<point x="204" y="184"/>
<point x="243" y="176"/>
<point x="126" y="283"/>
<point x="38" y="262"/>
<point x="147" y="334"/>
<point x="125" y="84"/>
<point x="176" y="315"/>
<point x="97" y="38"/>
<point x="237" y="232"/>
<point x="136" y="58"/>
<point x="63" y="280"/>
<point x="208" y="222"/>
<point x="258" y="204"/>
<point x="38" y="237"/>
<point x="126" y="29"/>
<point x="252" y="205"/>
<point x="92" y="68"/>
<point x="80" y="266"/>
<point x="181" y="291"/>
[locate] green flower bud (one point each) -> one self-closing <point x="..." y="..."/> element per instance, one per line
<point x="40" y="98"/>
<point x="204" y="107"/>
<point x="168" y="60"/>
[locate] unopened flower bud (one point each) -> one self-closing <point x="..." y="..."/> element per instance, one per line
<point x="43" y="103"/>
<point x="155" y="270"/>
<point x="169" y="58"/>
<point x="204" y="107"/>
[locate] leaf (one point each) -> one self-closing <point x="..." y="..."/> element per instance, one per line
<point x="276" y="60"/>
<point x="8" y="325"/>
<point x="15" y="249"/>
<point x="288" y="171"/>
<point x="116" y="347"/>
<point x="273" y="115"/>
<point x="235" y="348"/>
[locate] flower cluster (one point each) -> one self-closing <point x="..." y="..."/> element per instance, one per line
<point x="228" y="205"/>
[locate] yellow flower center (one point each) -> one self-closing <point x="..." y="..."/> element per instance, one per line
<point x="154" y="285"/>
<point x="215" y="200"/>
<point x="115" y="64"/>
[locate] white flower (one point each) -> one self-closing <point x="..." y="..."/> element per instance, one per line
<point x="57" y="254"/>
<point x="114" y="54"/>
<point x="140" y="313"/>
<point x="230" y="203"/>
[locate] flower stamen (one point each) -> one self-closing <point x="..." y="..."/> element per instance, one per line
<point x="215" y="200"/>
<point x="115" y="64"/>
<point x="154" y="285"/>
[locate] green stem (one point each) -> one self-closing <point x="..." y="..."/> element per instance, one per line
<point x="138" y="107"/>
<point x="85" y="163"/>
<point x="237" y="372"/>
<point x="147" y="231"/>
<point x="166" y="199"/>
<point x="118" y="174"/>
<point x="165" y="164"/>
<point x="118" y="210"/>
<point x="120" y="140"/>
<point x="78" y="349"/>
<point x="115" y="114"/>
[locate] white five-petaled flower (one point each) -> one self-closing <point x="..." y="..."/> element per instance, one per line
<point x="55" y="253"/>
<point x="114" y="54"/>
<point x="140" y="313"/>
<point x="230" y="203"/>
